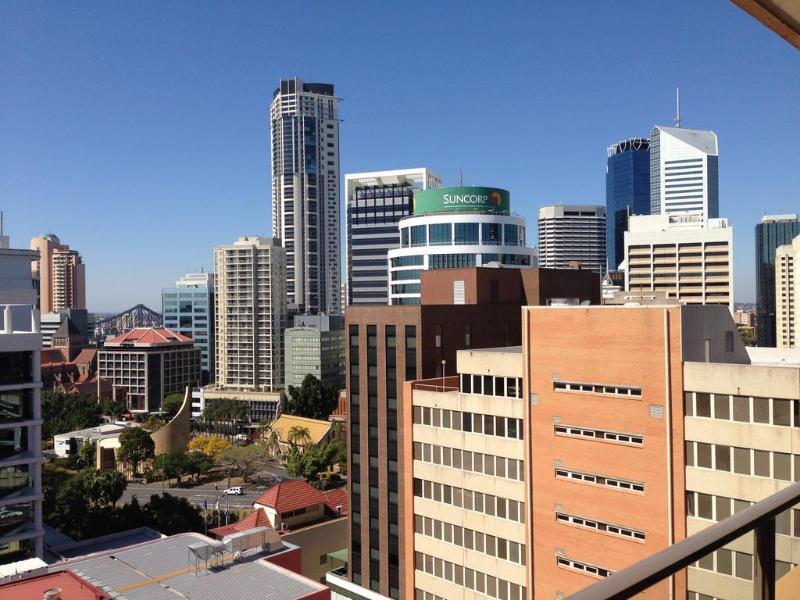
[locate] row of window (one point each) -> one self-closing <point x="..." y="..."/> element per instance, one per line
<point x="744" y="409"/>
<point x="601" y="480"/>
<point x="469" y="422"/>
<point x="491" y="385"/>
<point x="745" y="461"/>
<point x="470" y="539"/>
<point x="488" y="504"/>
<point x="625" y="532"/>
<point x="576" y="565"/>
<point x="594" y="388"/>
<point x="491" y="586"/>
<point x="627" y="439"/>
<point x="717" y="508"/>
<point x="437" y="234"/>
<point x="497" y="466"/>
<point x="729" y="562"/>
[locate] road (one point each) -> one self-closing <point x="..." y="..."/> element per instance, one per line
<point x="206" y="492"/>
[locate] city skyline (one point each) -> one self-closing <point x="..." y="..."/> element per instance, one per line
<point x="159" y="127"/>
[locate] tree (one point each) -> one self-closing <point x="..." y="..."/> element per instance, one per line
<point x="102" y="488"/>
<point x="153" y="423"/>
<point x="245" y="460"/>
<point x="210" y="445"/>
<point x="172" y="465"/>
<point x="136" y="446"/>
<point x="88" y="454"/>
<point x="172" y="404"/>
<point x="312" y="399"/>
<point x="113" y="408"/>
<point x="310" y="461"/>
<point x="198" y="463"/>
<point x="171" y="515"/>
<point x="299" y="436"/>
<point x="749" y="336"/>
<point x="62" y="413"/>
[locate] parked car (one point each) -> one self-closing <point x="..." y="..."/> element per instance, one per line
<point x="233" y="491"/>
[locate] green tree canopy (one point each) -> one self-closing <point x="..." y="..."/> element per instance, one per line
<point x="62" y="413"/>
<point x="172" y="464"/>
<point x="310" y="461"/>
<point x="136" y="446"/>
<point x="245" y="460"/>
<point x="312" y="399"/>
<point x="171" y="405"/>
<point x="113" y="408"/>
<point x="225" y="409"/>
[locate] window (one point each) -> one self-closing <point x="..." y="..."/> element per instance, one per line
<point x="741" y="461"/>
<point x="440" y="234"/>
<point x="466" y="233"/>
<point x="617" y="390"/>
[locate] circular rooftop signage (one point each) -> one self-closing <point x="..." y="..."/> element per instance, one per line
<point x="462" y="199"/>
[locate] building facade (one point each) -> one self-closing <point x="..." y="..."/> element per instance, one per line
<point x="572" y="233"/>
<point x="60" y="274"/>
<point x="387" y="346"/>
<point x="250" y="313"/>
<point x="786" y="297"/>
<point x="375" y="203"/>
<point x="684" y="172"/>
<point x="773" y="231"/>
<point x="627" y="192"/>
<point x="188" y="308"/>
<point x="315" y="346"/>
<point x="147" y="364"/>
<point x="688" y="259"/>
<point x="304" y="129"/>
<point x="456" y="227"/>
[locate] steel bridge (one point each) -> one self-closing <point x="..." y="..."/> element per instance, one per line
<point x="136" y="316"/>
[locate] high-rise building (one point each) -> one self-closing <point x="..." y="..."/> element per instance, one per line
<point x="787" y="295"/>
<point x="304" y="128"/>
<point x="688" y="259"/>
<point x="250" y="313"/>
<point x="608" y="459"/>
<point x="60" y="274"/>
<point x="570" y="233"/>
<point x="773" y="231"/>
<point x="21" y="533"/>
<point x="315" y="346"/>
<point x="146" y="364"/>
<point x="684" y="172"/>
<point x="188" y="308"/>
<point x="390" y="345"/>
<point x="627" y="192"/>
<point x="456" y="227"/>
<point x="50" y="322"/>
<point x="375" y="204"/>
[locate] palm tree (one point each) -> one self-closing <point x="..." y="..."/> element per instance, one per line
<point x="299" y="436"/>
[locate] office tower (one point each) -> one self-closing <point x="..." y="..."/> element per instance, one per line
<point x="620" y="456"/>
<point x="147" y="364"/>
<point x="570" y="233"/>
<point x="315" y="346"/>
<point x="627" y="192"/>
<point x="304" y="128"/>
<point x="375" y="204"/>
<point x="684" y="172"/>
<point x="188" y="308"/>
<point x="787" y="280"/>
<point x="60" y="274"/>
<point x="773" y="231"/>
<point x="250" y="313"/>
<point x="456" y="227"/>
<point x="686" y="258"/>
<point x="21" y="534"/>
<point x="50" y="322"/>
<point x="389" y="345"/>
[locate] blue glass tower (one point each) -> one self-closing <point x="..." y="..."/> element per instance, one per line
<point x="627" y="192"/>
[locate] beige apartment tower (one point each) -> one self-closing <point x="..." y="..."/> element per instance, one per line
<point x="60" y="274"/>
<point x="786" y="293"/>
<point x="250" y="313"/>
<point x="682" y="255"/>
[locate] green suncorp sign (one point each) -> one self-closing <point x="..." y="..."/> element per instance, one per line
<point x="462" y="199"/>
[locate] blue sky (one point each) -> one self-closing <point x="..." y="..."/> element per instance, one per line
<point x="139" y="132"/>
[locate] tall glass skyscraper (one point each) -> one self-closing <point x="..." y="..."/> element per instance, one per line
<point x="188" y="308"/>
<point x="773" y="231"/>
<point x="304" y="128"/>
<point x="627" y="192"/>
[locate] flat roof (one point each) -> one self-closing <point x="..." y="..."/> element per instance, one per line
<point x="33" y="588"/>
<point x="161" y="570"/>
<point x="504" y="350"/>
<point x="774" y="357"/>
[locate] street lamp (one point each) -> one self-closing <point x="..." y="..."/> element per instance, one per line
<point x="444" y="367"/>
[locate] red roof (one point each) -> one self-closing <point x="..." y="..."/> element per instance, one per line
<point x="291" y="495"/>
<point x="85" y="356"/>
<point x="149" y="336"/>
<point x="53" y="356"/>
<point x="336" y="497"/>
<point x="33" y="588"/>
<point x="257" y="518"/>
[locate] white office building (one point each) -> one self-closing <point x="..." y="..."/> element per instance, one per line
<point x="250" y="313"/>
<point x="456" y="227"/>
<point x="685" y="257"/>
<point x="304" y="127"/>
<point x="572" y="232"/>
<point x="188" y="308"/>
<point x="684" y="172"/>
<point x="375" y="204"/>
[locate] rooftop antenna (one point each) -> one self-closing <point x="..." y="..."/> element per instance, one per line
<point x="460" y="178"/>
<point x="677" y="107"/>
<point x="1" y="223"/>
